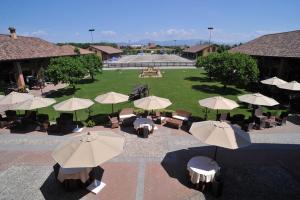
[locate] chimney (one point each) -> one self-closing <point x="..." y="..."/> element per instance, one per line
<point x="13" y="33"/>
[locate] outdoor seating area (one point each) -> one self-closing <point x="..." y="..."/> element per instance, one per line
<point x="147" y="118"/>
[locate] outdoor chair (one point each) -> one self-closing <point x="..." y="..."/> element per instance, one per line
<point x="182" y="115"/>
<point x="3" y="122"/>
<point x="114" y="122"/>
<point x="238" y="119"/>
<point x="176" y="123"/>
<point x="43" y="121"/>
<point x="281" y="120"/>
<point x="11" y="115"/>
<point x="260" y="122"/>
<point x="127" y="116"/>
<point x="248" y="124"/>
<point x="29" y="117"/>
<point x="158" y="118"/>
<point x="65" y="122"/>
<point x="223" y="117"/>
<point x="146" y="132"/>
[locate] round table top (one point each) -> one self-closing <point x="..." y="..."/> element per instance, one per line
<point x="139" y="121"/>
<point x="203" y="165"/>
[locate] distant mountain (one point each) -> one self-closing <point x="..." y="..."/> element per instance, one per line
<point x="188" y="42"/>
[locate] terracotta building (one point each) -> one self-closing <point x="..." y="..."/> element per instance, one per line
<point x="105" y="52"/>
<point x="194" y="52"/>
<point x="22" y="56"/>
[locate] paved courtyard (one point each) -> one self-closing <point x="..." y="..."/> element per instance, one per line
<point x="155" y="168"/>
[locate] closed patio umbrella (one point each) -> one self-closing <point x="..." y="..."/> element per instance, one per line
<point x="152" y="103"/>
<point x="220" y="134"/>
<point x="258" y="99"/>
<point x="34" y="103"/>
<point x="111" y="98"/>
<point x="273" y="81"/>
<point x="89" y="150"/>
<point x="218" y="103"/>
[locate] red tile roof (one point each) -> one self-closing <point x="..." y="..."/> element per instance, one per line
<point x="286" y="44"/>
<point x="71" y="48"/>
<point x="196" y="48"/>
<point x="29" y="48"/>
<point x="107" y="49"/>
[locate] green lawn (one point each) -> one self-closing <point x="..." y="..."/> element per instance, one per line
<point x="184" y="87"/>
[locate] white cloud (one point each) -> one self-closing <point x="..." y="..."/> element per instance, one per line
<point x="108" y="33"/>
<point x="172" y="33"/>
<point x="39" y="33"/>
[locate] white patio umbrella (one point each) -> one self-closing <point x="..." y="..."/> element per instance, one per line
<point x="293" y="86"/>
<point x="7" y="102"/>
<point x="111" y="98"/>
<point x="220" y="134"/>
<point x="273" y="81"/>
<point x="89" y="149"/>
<point x="152" y="103"/>
<point x="258" y="99"/>
<point x="14" y="98"/>
<point x="34" y="103"/>
<point x="72" y="105"/>
<point x="218" y="103"/>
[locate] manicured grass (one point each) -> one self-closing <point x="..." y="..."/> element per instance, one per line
<point x="184" y="87"/>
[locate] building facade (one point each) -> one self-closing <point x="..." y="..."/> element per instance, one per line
<point x="276" y="54"/>
<point x="105" y="52"/>
<point x="23" y="57"/>
<point x="194" y="52"/>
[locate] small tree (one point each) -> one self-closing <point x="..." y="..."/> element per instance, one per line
<point x="230" y="68"/>
<point x="92" y="63"/>
<point x="65" y="69"/>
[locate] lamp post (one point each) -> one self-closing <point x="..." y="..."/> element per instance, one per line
<point x="210" y="30"/>
<point x="91" y="31"/>
<point x="175" y="46"/>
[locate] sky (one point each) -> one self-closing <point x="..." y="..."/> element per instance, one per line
<point x="234" y="21"/>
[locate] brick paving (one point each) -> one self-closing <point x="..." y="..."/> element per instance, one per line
<point x="155" y="168"/>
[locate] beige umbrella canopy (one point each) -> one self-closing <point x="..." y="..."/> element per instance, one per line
<point x="73" y="104"/>
<point x="218" y="103"/>
<point x="14" y="98"/>
<point x="152" y="103"/>
<point x="273" y="81"/>
<point x="293" y="86"/>
<point x="258" y="99"/>
<point x="220" y="134"/>
<point x="34" y="103"/>
<point x="89" y="150"/>
<point x="111" y="98"/>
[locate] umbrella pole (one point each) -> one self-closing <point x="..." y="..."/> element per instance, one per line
<point x="75" y="116"/>
<point x="112" y="108"/>
<point x="215" y="155"/>
<point x="205" y="117"/>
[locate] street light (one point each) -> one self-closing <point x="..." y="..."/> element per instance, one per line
<point x="175" y="46"/>
<point x="210" y="30"/>
<point x="91" y="31"/>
